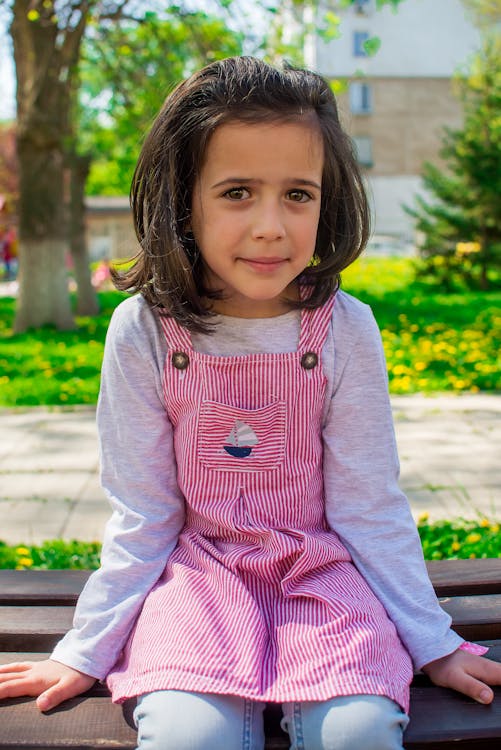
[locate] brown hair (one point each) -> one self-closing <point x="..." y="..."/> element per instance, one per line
<point x="168" y="269"/>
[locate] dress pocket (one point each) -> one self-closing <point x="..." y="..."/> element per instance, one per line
<point x="241" y="440"/>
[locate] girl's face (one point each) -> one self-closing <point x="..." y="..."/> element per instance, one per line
<point x="255" y="211"/>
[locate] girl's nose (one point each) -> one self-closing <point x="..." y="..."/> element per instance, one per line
<point x="268" y="223"/>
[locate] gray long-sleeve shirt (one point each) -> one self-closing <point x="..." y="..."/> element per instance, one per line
<point x="363" y="502"/>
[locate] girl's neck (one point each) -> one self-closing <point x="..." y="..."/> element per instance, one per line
<point x="272" y="308"/>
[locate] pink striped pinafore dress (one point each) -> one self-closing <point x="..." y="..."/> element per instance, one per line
<point x="259" y="598"/>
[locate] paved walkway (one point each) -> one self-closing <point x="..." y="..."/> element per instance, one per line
<point x="49" y="487"/>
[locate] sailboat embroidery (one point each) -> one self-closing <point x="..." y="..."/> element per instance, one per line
<point x="241" y="440"/>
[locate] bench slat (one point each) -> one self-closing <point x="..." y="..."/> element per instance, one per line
<point x="25" y="587"/>
<point x="449" y="578"/>
<point x="39" y="608"/>
<point x="82" y="723"/>
<point x="33" y="628"/>
<point x="439" y="715"/>
<point x="439" y="718"/>
<point x="494" y="647"/>
<point x="475" y="616"/>
<point x="465" y="577"/>
<point x="38" y="628"/>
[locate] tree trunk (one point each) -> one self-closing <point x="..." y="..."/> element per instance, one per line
<point x="87" y="302"/>
<point x="43" y="287"/>
<point x="42" y="267"/>
<point x="46" y="58"/>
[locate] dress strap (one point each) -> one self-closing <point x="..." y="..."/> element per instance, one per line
<point x="177" y="337"/>
<point x="314" y="327"/>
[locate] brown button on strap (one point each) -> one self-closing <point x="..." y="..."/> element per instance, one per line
<point x="180" y="360"/>
<point x="309" y="360"/>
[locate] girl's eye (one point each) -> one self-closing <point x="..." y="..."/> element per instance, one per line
<point x="298" y="196"/>
<point x="237" y="194"/>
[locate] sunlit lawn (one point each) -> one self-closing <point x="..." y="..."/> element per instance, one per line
<point x="433" y="341"/>
<point x="50" y="367"/>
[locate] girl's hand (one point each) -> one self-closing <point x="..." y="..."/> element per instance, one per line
<point x="51" y="681"/>
<point x="467" y="673"/>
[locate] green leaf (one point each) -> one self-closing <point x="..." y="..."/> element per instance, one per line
<point x="372" y="45"/>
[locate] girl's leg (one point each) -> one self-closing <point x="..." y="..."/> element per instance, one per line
<point x="371" y="722"/>
<point x="178" y="720"/>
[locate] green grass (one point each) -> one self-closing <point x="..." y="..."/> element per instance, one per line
<point x="55" y="554"/>
<point x="434" y="341"/>
<point x="459" y="539"/>
<point x="440" y="540"/>
<point x="50" y="367"/>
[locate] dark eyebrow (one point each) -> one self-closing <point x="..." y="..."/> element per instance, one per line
<point x="299" y="181"/>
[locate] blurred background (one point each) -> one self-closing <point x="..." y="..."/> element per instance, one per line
<point x="418" y="84"/>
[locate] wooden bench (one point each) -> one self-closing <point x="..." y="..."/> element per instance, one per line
<point x="36" y="609"/>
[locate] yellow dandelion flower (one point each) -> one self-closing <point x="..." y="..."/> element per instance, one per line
<point x="423" y="517"/>
<point x="419" y="366"/>
<point x="472" y="556"/>
<point x="25" y="562"/>
<point x="399" y="370"/>
<point x="455" y="546"/>
<point x="495" y="528"/>
<point x="473" y="538"/>
<point x="484" y="523"/>
<point x="24" y="551"/>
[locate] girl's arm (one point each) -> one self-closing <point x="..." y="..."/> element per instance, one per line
<point x="365" y="506"/>
<point x="139" y="478"/>
<point x="138" y="474"/>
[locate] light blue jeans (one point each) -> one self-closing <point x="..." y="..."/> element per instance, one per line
<point x="175" y="720"/>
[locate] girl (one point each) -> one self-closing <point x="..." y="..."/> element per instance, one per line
<point x="259" y="548"/>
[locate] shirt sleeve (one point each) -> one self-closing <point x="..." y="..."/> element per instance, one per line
<point x="364" y="504"/>
<point x="138" y="475"/>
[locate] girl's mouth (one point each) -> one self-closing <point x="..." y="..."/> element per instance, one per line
<point x="264" y="265"/>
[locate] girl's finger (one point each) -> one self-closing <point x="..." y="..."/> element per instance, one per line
<point x="7" y="676"/>
<point x="474" y="688"/>
<point x="487" y="670"/>
<point x="17" y="688"/>
<point x="55" y="695"/>
<point x="16" y="666"/>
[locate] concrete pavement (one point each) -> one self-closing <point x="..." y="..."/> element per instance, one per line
<point x="49" y="487"/>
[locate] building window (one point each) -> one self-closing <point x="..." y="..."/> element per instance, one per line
<point x="360" y="98"/>
<point x="359" y="39"/>
<point x="362" y="7"/>
<point x="363" y="150"/>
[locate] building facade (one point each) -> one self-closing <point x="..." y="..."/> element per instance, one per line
<point x="109" y="229"/>
<point x="397" y="101"/>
